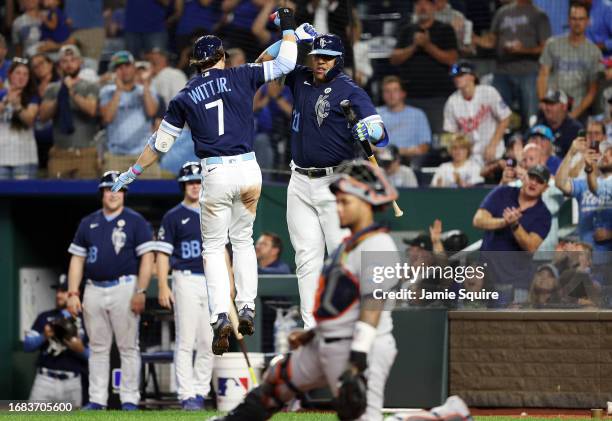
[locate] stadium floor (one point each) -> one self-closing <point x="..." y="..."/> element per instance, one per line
<point x="202" y="416"/>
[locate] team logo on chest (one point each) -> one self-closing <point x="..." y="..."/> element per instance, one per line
<point x="322" y="108"/>
<point x="118" y="237"/>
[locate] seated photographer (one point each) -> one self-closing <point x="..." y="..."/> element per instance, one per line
<point x="63" y="354"/>
<point x="493" y="170"/>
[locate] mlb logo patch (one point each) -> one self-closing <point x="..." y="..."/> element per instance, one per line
<point x="116" y="378"/>
<point x="225" y="385"/>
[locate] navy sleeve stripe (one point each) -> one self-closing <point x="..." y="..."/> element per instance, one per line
<point x="164" y="247"/>
<point x="145" y="247"/>
<point x="77" y="250"/>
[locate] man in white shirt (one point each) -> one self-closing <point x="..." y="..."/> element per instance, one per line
<point x="477" y="111"/>
<point x="167" y="80"/>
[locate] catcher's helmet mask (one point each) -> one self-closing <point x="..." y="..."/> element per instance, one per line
<point x="365" y="181"/>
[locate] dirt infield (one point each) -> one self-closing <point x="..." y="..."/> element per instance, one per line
<point x="555" y="413"/>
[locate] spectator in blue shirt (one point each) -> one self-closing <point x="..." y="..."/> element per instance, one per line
<point x="4" y="62"/>
<point x="542" y="136"/>
<point x="237" y="31"/>
<point x="557" y="12"/>
<point x="515" y="221"/>
<point x="600" y="29"/>
<point x="407" y="126"/>
<point x="54" y="23"/>
<point x="595" y="215"/>
<point x="146" y="31"/>
<point x="87" y="22"/>
<point x="127" y="110"/>
<point x="268" y="249"/>
<point x="196" y="17"/>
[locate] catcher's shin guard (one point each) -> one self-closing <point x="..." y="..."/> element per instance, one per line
<point x="253" y="407"/>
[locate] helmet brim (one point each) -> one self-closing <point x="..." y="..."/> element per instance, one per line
<point x="323" y="52"/>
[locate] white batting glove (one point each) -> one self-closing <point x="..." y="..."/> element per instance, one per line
<point x="305" y="33"/>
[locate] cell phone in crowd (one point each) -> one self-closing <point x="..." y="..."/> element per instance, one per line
<point x="511" y="162"/>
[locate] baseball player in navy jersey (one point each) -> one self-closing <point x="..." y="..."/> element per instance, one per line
<point x="320" y="140"/>
<point x="217" y="104"/>
<point x="63" y="354"/>
<point x="179" y="246"/>
<point x="112" y="251"/>
<point x="351" y="322"/>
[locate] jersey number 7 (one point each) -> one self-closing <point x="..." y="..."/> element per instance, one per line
<point x="219" y="104"/>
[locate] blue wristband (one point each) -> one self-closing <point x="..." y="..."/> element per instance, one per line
<point x="288" y="32"/>
<point x="274" y="49"/>
<point x="137" y="169"/>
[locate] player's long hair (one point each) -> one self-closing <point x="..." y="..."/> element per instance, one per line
<point x="202" y="65"/>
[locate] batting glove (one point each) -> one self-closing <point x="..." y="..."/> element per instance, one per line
<point x="362" y="131"/>
<point x="284" y="19"/>
<point x="127" y="177"/>
<point x="305" y="33"/>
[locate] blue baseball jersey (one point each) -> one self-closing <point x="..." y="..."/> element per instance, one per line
<point x="218" y="107"/>
<point x="320" y="135"/>
<point x="179" y="237"/>
<point x="54" y="355"/>
<point x="112" y="247"/>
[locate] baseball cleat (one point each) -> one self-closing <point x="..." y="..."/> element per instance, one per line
<point x="92" y="406"/>
<point x="192" y="404"/>
<point x="128" y="406"/>
<point x="222" y="330"/>
<point x="246" y="321"/>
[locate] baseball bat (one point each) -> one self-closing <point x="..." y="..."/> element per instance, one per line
<point x="233" y="316"/>
<point x="351" y="117"/>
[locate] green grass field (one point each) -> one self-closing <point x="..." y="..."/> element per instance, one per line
<point x="202" y="416"/>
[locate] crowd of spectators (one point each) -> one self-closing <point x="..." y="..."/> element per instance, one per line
<point x="481" y="92"/>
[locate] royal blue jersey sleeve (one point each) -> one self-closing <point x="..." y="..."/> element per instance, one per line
<point x="79" y="244"/>
<point x="362" y="104"/>
<point x="143" y="237"/>
<point x="166" y="235"/>
<point x="578" y="188"/>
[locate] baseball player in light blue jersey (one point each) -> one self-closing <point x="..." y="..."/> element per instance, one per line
<point x="217" y="105"/>
<point x="179" y="246"/>
<point x="112" y="251"/>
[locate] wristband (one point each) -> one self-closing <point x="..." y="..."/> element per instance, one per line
<point x="588" y="169"/>
<point x="288" y="32"/>
<point x="74" y="294"/>
<point x="137" y="169"/>
<point x="363" y="337"/>
<point x="141" y="291"/>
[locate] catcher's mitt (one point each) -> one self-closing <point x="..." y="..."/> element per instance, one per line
<point x="64" y="328"/>
<point x="351" y="402"/>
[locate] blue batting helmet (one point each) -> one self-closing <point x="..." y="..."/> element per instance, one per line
<point x="108" y="179"/>
<point x="207" y="48"/>
<point x="190" y="171"/>
<point x="329" y="45"/>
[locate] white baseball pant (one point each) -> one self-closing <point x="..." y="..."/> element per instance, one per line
<point x="312" y="219"/>
<point x="380" y="361"/>
<point x="106" y="312"/>
<point x="193" y="332"/>
<point x="228" y="200"/>
<point x="47" y="388"/>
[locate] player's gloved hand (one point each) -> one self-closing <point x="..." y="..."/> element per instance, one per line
<point x="284" y="19"/>
<point x="127" y="177"/>
<point x="364" y="130"/>
<point x="351" y="402"/>
<point x="305" y="33"/>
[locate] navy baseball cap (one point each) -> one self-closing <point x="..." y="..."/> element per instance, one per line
<point x="462" y="68"/>
<point x="190" y="171"/>
<point x="422" y="241"/>
<point x="108" y="180"/>
<point x="62" y="283"/>
<point x="327" y="45"/>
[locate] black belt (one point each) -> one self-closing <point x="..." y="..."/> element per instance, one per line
<point x="56" y="374"/>
<point x="316" y="172"/>
<point x="331" y="340"/>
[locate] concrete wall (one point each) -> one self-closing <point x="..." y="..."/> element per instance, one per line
<point x="554" y="359"/>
